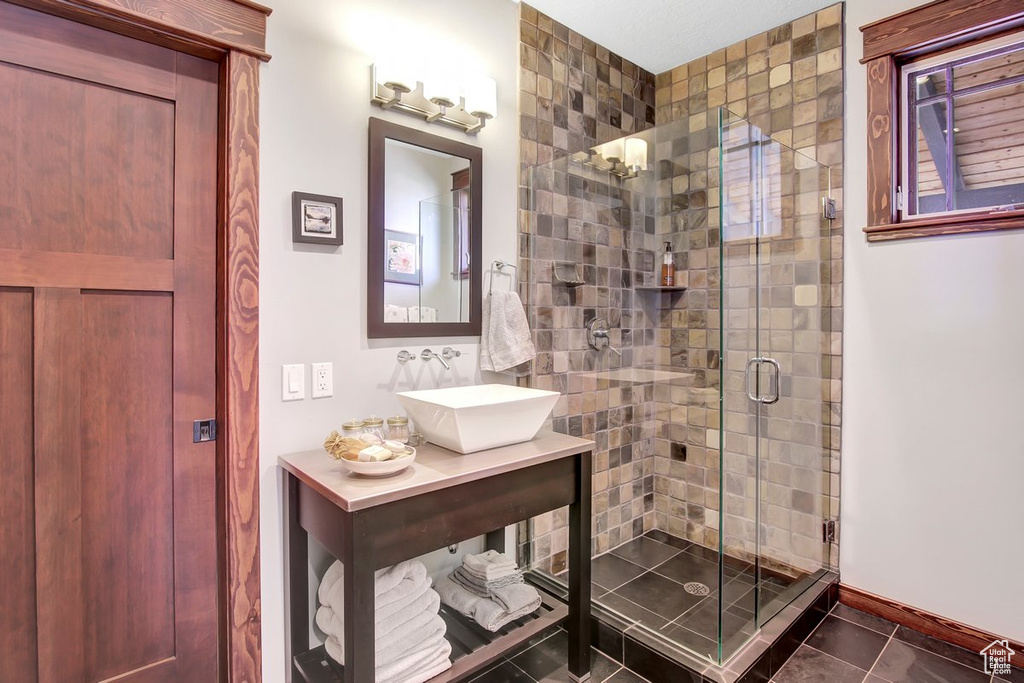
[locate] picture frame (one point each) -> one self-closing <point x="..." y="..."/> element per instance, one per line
<point x="317" y="219"/>
<point x="401" y="258"/>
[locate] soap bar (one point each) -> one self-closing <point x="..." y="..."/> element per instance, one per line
<point x="374" y="454"/>
<point x="396" y="447"/>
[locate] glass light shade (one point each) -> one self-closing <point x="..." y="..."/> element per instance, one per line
<point x="482" y="97"/>
<point x="613" y="151"/>
<point x="393" y="74"/>
<point x="636" y="153"/>
<point x="441" y="87"/>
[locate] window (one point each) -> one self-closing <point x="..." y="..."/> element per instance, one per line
<point x="963" y="131"/>
<point x="945" y="119"/>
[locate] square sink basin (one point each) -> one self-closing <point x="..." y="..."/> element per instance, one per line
<point x="470" y="419"/>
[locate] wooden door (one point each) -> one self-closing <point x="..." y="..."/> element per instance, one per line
<point x="108" y="217"/>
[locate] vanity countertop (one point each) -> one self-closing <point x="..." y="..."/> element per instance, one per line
<point x="435" y="468"/>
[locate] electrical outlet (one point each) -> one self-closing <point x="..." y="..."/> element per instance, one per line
<point x="323" y="380"/>
<point x="293" y="382"/>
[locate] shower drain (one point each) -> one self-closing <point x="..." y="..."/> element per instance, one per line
<point x="696" y="588"/>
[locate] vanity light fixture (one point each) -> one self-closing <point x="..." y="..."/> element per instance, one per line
<point x="624" y="157"/>
<point x="436" y="96"/>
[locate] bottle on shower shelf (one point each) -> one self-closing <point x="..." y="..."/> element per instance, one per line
<point x="668" y="267"/>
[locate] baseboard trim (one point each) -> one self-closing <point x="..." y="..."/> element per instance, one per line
<point x="930" y="624"/>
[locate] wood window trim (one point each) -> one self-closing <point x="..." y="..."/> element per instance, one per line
<point x="232" y="33"/>
<point x="922" y="30"/>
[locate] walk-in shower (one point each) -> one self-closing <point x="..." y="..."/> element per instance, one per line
<point x="707" y="400"/>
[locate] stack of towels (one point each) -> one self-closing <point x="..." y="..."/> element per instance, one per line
<point x="409" y="642"/>
<point x="489" y="589"/>
<point x="409" y="314"/>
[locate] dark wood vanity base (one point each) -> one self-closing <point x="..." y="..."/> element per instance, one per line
<point x="444" y="498"/>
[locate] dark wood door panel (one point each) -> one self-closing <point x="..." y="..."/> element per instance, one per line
<point x="127" y="480"/>
<point x="85" y="52"/>
<point x="60" y="611"/>
<point x="85" y="168"/>
<point x="17" y="515"/>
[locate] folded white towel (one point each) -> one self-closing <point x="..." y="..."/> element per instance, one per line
<point x="422" y="314"/>
<point x="516" y="597"/>
<point x="420" y="664"/>
<point x="490" y="565"/>
<point x="505" y="339"/>
<point x="485" y="611"/>
<point x="475" y="584"/>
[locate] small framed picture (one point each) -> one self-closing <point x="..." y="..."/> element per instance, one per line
<point x="316" y="219"/>
<point x="401" y="258"/>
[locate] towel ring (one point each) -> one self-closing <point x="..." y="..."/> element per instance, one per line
<point x="501" y="265"/>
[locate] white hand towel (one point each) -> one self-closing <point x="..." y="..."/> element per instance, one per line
<point x="485" y="611"/>
<point x="421" y="664"/>
<point x="395" y="314"/>
<point x="516" y="598"/>
<point x="490" y="565"/>
<point x="505" y="339"/>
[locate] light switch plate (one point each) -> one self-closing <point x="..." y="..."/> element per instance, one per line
<point x="293" y="382"/>
<point x="323" y="380"/>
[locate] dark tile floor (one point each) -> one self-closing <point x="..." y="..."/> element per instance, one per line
<point x="847" y="647"/>
<point x="671" y="586"/>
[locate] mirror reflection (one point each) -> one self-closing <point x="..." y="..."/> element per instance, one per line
<point x="426" y="235"/>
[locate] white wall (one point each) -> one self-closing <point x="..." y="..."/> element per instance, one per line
<point x="314" y="107"/>
<point x="933" y="403"/>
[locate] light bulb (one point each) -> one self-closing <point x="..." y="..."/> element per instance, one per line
<point x="482" y="97"/>
<point x="636" y="153"/>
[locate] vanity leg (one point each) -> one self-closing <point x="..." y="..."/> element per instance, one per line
<point x="359" y="599"/>
<point x="296" y="579"/>
<point x="579" y="573"/>
<point x="496" y="540"/>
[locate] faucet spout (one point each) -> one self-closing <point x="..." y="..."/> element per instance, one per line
<point x="428" y="354"/>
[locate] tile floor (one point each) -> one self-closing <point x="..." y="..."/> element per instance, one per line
<point x="645" y="580"/>
<point x="847" y="647"/>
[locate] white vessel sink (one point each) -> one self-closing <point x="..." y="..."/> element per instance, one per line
<point x="470" y="419"/>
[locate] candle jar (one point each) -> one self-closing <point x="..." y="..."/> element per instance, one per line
<point x="398" y="428"/>
<point x="375" y="426"/>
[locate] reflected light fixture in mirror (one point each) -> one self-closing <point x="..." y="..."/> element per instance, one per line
<point x="438" y="95"/>
<point x="624" y="157"/>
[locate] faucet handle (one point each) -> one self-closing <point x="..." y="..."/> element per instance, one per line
<point x="405" y="356"/>
<point x="448" y="353"/>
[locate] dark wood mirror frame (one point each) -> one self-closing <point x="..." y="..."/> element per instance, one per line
<point x="376" y="328"/>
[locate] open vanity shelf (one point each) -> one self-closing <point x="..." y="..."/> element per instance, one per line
<point x="441" y="499"/>
<point x="472" y="647"/>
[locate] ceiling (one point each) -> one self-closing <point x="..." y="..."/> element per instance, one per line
<point x="660" y="34"/>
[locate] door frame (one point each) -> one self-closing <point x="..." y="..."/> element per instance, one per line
<point x="233" y="34"/>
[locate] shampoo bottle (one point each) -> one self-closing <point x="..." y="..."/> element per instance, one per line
<point x="668" y="267"/>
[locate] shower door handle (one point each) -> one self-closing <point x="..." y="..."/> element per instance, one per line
<point x="756" y="364"/>
<point x="778" y="380"/>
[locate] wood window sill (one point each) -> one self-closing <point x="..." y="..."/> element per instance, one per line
<point x="946" y="225"/>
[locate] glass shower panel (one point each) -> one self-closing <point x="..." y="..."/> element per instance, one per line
<point x="774" y="460"/>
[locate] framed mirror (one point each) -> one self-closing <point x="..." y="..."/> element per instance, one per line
<point x="424" y="274"/>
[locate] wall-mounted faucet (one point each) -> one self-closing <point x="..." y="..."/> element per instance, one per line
<point x="428" y="354"/>
<point x="448" y="353"/>
<point x="405" y="356"/>
<point x="597" y="336"/>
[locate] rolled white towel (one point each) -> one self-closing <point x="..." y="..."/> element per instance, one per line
<point x="394" y="645"/>
<point x="403" y="630"/>
<point x="394" y="587"/>
<point x="420" y="664"/>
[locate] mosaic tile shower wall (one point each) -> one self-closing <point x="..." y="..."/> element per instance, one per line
<point x="575" y="94"/>
<point x="789" y="83"/>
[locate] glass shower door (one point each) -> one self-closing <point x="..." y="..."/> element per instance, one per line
<point x="774" y="495"/>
